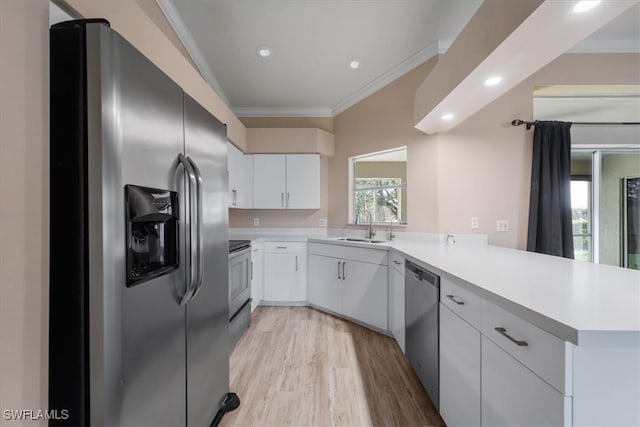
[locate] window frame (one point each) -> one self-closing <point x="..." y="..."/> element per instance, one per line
<point x="352" y="220"/>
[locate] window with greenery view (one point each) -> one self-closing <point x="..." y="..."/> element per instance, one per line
<point x="379" y="187"/>
<point x="581" y="218"/>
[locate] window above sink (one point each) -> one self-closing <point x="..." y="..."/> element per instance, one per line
<point x="378" y="187"/>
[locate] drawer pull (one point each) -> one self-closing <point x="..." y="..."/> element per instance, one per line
<point x="454" y="299"/>
<point x="396" y="262"/>
<point x="503" y="332"/>
<point x="281" y="247"/>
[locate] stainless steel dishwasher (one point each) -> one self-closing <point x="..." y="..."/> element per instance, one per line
<point x="422" y="294"/>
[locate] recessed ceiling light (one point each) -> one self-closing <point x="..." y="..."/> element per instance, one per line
<point x="354" y="64"/>
<point x="447" y="117"/>
<point x="493" y="81"/>
<point x="585" y="5"/>
<point x="264" y="52"/>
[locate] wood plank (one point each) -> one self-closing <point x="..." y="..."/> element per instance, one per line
<point x="300" y="366"/>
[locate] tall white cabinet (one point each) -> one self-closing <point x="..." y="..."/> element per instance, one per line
<point x="286" y="181"/>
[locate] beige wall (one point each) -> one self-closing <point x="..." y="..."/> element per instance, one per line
<point x="489" y="161"/>
<point x="381" y="121"/>
<point x="136" y="22"/>
<point x="480" y="168"/>
<point x="24" y="212"/>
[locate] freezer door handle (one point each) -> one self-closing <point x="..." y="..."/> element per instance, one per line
<point x="199" y="238"/>
<point x="190" y="237"/>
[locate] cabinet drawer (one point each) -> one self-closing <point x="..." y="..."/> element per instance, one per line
<point x="397" y="262"/>
<point x="464" y="303"/>
<point x="284" y="247"/>
<point x="546" y="355"/>
<point x="368" y="255"/>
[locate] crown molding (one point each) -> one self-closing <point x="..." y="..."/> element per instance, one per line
<point x="283" y="112"/>
<point x="399" y="70"/>
<point x="621" y="45"/>
<point x="175" y="21"/>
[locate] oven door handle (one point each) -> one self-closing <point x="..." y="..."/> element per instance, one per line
<point x="199" y="238"/>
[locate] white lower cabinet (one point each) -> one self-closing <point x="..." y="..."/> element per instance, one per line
<point x="324" y="283"/>
<point x="396" y="300"/>
<point x="459" y="370"/>
<point x="364" y="292"/>
<point x="285" y="272"/>
<point x="342" y="281"/>
<point x="513" y="395"/>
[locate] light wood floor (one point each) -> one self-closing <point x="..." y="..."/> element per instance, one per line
<point x="297" y="366"/>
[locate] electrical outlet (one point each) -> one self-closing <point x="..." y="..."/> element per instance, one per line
<point x="256" y="222"/>
<point x="322" y="222"/>
<point x="474" y="222"/>
<point x="502" y="225"/>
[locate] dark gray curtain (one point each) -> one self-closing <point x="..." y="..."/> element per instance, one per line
<point x="550" y="229"/>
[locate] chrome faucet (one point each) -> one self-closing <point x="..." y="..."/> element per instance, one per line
<point x="392" y="235"/>
<point x="371" y="234"/>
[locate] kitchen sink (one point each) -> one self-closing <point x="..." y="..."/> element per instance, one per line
<point x="353" y="239"/>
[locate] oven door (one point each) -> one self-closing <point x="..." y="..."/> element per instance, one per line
<point x="239" y="280"/>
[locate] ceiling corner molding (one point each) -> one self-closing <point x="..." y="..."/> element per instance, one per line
<point x="443" y="45"/>
<point x="399" y="70"/>
<point x="622" y="45"/>
<point x="175" y="20"/>
<point x="283" y="112"/>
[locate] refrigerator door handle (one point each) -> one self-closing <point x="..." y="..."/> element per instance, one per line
<point x="200" y="239"/>
<point x="190" y="234"/>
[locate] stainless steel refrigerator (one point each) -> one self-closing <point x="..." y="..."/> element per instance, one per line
<point x="139" y="326"/>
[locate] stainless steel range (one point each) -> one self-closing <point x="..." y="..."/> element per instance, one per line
<point x="239" y="288"/>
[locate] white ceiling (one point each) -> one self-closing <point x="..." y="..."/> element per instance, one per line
<point x="312" y="41"/>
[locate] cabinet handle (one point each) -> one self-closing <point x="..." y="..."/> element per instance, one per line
<point x="281" y="247"/>
<point x="454" y="299"/>
<point x="396" y="262"/>
<point x="251" y="270"/>
<point x="296" y="262"/>
<point x="255" y="250"/>
<point x="339" y="270"/>
<point x="503" y="332"/>
<point x="282" y="199"/>
<point x="287" y="199"/>
<point x="343" y="264"/>
<point x="234" y="201"/>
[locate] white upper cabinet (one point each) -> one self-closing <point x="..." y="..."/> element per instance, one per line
<point x="303" y="181"/>
<point x="240" y="168"/>
<point x="286" y="181"/>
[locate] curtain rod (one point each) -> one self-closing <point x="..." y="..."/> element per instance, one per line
<point x="518" y="122"/>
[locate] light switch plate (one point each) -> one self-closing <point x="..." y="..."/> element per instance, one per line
<point x="474" y="222"/>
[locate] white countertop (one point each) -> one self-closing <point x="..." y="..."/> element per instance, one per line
<point x="580" y="302"/>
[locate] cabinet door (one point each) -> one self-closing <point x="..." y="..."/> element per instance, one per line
<point x="396" y="306"/>
<point x="303" y="181"/>
<point x="235" y="166"/>
<point x="459" y="370"/>
<point x="283" y="278"/>
<point x="365" y="293"/>
<point x="257" y="274"/>
<point x="245" y="189"/>
<point x="324" y="283"/>
<point x="513" y="395"/>
<point x="269" y="181"/>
